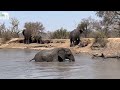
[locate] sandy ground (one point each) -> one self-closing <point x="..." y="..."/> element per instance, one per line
<point x="113" y="46"/>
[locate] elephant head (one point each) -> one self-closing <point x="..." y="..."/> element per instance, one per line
<point x="80" y="29"/>
<point x="37" y="38"/>
<point x="65" y="53"/>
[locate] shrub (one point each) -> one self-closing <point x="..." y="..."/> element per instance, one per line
<point x="6" y="35"/>
<point x="60" y="34"/>
<point x="100" y="40"/>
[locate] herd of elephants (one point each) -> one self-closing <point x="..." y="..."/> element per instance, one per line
<point x="57" y="54"/>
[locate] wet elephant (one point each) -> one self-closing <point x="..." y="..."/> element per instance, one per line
<point x="54" y="55"/>
<point x="75" y="37"/>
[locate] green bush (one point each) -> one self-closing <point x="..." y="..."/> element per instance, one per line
<point x="60" y="34"/>
<point x="100" y="40"/>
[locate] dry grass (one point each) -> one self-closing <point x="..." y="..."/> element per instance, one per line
<point x="113" y="46"/>
<point x="14" y="43"/>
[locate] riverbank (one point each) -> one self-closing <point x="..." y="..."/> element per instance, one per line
<point x="113" y="46"/>
<point x="56" y="43"/>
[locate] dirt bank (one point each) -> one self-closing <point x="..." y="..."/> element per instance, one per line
<point x="113" y="45"/>
<point x="112" y="49"/>
<point x="14" y="43"/>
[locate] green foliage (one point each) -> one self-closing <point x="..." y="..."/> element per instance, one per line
<point x="100" y="40"/>
<point x="60" y="34"/>
<point x="34" y="27"/>
<point x="85" y="26"/>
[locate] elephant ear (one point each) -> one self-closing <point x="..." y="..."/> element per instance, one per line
<point x="61" y="55"/>
<point x="81" y="31"/>
<point x="23" y="31"/>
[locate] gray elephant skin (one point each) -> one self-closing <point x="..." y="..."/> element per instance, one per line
<point x="54" y="55"/>
<point x="75" y="37"/>
<point x="37" y="38"/>
<point x="27" y="36"/>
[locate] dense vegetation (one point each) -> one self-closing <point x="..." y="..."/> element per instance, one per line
<point x="60" y="34"/>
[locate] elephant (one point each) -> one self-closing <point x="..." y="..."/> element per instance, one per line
<point x="75" y="37"/>
<point x="54" y="55"/>
<point x="37" y="38"/>
<point x="27" y="36"/>
<point x="47" y="41"/>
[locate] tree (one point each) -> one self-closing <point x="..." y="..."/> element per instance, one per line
<point x="34" y="27"/>
<point x="60" y="34"/>
<point x="14" y="27"/>
<point x="111" y="20"/>
<point x="14" y="22"/>
<point x="2" y="29"/>
<point x="86" y="24"/>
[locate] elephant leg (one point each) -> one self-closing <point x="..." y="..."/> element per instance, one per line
<point x="40" y="42"/>
<point x="28" y="41"/>
<point x="71" y="42"/>
<point x="37" y="41"/>
<point x="74" y="42"/>
<point x="25" y="41"/>
<point x="77" y="41"/>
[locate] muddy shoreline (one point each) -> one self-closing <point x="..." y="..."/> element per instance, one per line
<point x="57" y="43"/>
<point x="113" y="46"/>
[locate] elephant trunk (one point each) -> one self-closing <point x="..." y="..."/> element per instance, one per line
<point x="31" y="60"/>
<point x="71" y="58"/>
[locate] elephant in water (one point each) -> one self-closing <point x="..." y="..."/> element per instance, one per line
<point x="54" y="55"/>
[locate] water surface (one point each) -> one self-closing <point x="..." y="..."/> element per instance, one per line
<point x="14" y="64"/>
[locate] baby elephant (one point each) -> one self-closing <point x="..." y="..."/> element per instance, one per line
<point x="54" y="55"/>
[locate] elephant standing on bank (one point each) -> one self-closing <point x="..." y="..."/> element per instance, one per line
<point x="27" y="36"/>
<point x="75" y="37"/>
<point x="37" y="38"/>
<point x="54" y="55"/>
